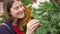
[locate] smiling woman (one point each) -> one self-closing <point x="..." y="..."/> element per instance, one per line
<point x="14" y="15"/>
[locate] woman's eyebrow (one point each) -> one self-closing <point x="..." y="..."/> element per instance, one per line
<point x="16" y="7"/>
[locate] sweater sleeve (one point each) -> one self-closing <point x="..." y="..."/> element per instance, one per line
<point x="4" y="30"/>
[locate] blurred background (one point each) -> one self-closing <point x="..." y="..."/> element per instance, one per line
<point x="1" y="11"/>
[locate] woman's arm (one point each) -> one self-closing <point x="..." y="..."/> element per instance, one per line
<point x="31" y="26"/>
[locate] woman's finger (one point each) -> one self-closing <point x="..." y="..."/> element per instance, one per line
<point x="34" y="26"/>
<point x="32" y="22"/>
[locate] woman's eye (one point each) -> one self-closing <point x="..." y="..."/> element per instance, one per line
<point x="21" y="6"/>
<point x="16" y="8"/>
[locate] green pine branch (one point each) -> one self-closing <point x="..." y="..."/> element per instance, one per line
<point x="48" y="14"/>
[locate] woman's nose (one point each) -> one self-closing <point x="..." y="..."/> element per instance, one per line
<point x="20" y="9"/>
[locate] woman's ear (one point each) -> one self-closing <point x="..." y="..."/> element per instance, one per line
<point x="10" y="14"/>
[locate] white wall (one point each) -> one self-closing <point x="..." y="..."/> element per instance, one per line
<point x="35" y="5"/>
<point x="1" y="7"/>
<point x="43" y="0"/>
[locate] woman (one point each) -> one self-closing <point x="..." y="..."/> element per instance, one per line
<point x="14" y="14"/>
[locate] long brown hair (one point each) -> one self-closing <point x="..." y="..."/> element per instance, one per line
<point x="6" y="8"/>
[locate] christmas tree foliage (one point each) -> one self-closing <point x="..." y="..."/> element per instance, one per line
<point x="1" y="17"/>
<point x="49" y="16"/>
<point x="26" y="2"/>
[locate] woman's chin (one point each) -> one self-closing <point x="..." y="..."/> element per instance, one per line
<point x="21" y="17"/>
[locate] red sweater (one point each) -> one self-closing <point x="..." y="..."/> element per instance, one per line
<point x="17" y="30"/>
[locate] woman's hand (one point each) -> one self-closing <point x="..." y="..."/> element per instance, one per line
<point x="32" y="25"/>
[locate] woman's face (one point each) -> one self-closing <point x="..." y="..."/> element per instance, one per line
<point x="17" y="10"/>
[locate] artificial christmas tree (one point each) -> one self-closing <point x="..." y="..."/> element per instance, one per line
<point x="49" y="16"/>
<point x="26" y="2"/>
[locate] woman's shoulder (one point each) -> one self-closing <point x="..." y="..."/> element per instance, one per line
<point x="2" y="26"/>
<point x="4" y="29"/>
